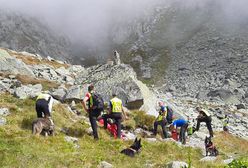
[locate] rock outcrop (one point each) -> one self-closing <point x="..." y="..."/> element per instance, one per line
<point x="12" y="65"/>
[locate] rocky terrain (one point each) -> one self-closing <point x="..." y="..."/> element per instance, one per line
<point x="71" y="83"/>
<point x="27" y="74"/>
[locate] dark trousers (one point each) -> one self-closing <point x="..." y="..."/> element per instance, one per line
<point x="162" y="123"/>
<point x="42" y="109"/>
<point x="117" y="117"/>
<point x="208" y="121"/>
<point x="93" y="115"/>
<point x="183" y="130"/>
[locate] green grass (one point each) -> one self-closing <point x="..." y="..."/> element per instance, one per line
<point x="19" y="148"/>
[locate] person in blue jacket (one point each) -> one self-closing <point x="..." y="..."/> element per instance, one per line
<point x="183" y="124"/>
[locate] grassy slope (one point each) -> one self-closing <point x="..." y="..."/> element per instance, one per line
<point x="18" y="148"/>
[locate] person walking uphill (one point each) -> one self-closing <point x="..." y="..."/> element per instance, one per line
<point x="161" y="120"/>
<point x="43" y="106"/>
<point x="204" y="116"/>
<point x="93" y="111"/>
<point x="115" y="112"/>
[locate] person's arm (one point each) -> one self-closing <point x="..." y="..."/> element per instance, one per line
<point x="110" y="107"/>
<point x="124" y="113"/>
<point x="84" y="102"/>
<point x="50" y="104"/>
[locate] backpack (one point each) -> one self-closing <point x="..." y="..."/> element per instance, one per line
<point x="98" y="102"/>
<point x="169" y="116"/>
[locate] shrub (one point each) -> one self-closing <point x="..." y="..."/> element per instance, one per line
<point x="144" y="120"/>
<point x="241" y="163"/>
<point x="129" y="124"/>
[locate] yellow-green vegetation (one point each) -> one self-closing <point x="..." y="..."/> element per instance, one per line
<point x="143" y="120"/>
<point x="29" y="60"/>
<point x="25" y="80"/>
<point x="19" y="148"/>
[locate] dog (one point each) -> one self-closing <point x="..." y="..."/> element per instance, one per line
<point x="133" y="149"/>
<point x="210" y="148"/>
<point x="44" y="125"/>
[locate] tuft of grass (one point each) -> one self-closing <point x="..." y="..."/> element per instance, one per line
<point x="29" y="60"/>
<point x="29" y="80"/>
<point x="229" y="144"/>
<point x="143" y="120"/>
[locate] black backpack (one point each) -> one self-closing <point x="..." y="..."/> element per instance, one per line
<point x="98" y="102"/>
<point x="169" y="116"/>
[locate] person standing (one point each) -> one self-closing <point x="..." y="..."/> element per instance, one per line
<point x="117" y="59"/>
<point x="94" y="113"/>
<point x="204" y="116"/>
<point x="225" y="122"/>
<point x="161" y="120"/>
<point x="115" y="112"/>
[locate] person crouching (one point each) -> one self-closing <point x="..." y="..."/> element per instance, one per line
<point x="183" y="125"/>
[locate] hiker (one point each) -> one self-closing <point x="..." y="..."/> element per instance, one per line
<point x="204" y="116"/>
<point x="117" y="59"/>
<point x="161" y="120"/>
<point x="225" y="122"/>
<point x="43" y="106"/>
<point x="169" y="116"/>
<point x="183" y="125"/>
<point x="115" y="112"/>
<point x="93" y="112"/>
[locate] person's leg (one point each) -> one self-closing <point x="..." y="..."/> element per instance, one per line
<point x="155" y="127"/>
<point x="105" y="120"/>
<point x="182" y="133"/>
<point x="199" y="120"/>
<point x="39" y="109"/>
<point x="209" y="126"/>
<point x="93" y="125"/>
<point x="46" y="110"/>
<point x="163" y="125"/>
<point x="117" y="118"/>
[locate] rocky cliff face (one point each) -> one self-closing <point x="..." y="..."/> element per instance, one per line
<point x="72" y="80"/>
<point x="22" y="33"/>
<point x="196" y="52"/>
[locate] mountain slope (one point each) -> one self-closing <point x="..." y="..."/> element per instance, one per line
<point x="23" y="33"/>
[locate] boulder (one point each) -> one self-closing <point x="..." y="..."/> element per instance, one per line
<point x="62" y="71"/>
<point x="9" y="64"/>
<point x="208" y="159"/>
<point x="31" y="91"/>
<point x="4" y="112"/>
<point x="75" y="93"/>
<point x="177" y="164"/>
<point x="151" y="139"/>
<point x="227" y="161"/>
<point x="2" y="121"/>
<point x="59" y="93"/>
<point x="3" y="87"/>
<point x="225" y="95"/>
<point x="128" y="135"/>
<point x="104" y="164"/>
<point x="240" y="106"/>
<point x="71" y="139"/>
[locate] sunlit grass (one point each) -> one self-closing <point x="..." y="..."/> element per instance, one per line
<point x="19" y="148"/>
